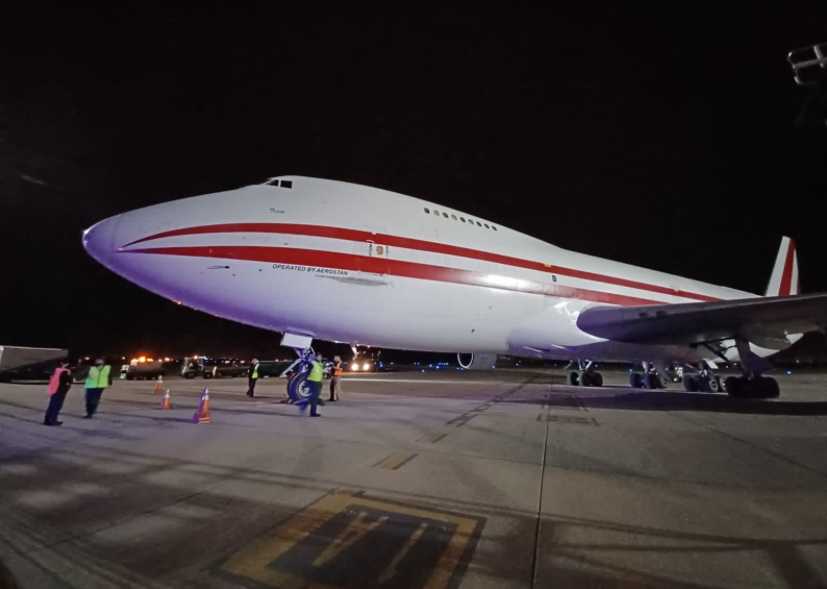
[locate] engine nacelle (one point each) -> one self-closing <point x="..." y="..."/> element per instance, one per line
<point x="473" y="361"/>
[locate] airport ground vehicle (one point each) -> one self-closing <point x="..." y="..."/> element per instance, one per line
<point x="143" y="370"/>
<point x="25" y="363"/>
<point x="207" y="367"/>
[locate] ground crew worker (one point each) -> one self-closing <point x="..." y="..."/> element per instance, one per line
<point x="252" y="377"/>
<point x="314" y="383"/>
<point x="59" y="385"/>
<point x="98" y="379"/>
<point x="335" y="377"/>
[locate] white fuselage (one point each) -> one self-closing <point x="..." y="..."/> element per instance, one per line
<point x="349" y="263"/>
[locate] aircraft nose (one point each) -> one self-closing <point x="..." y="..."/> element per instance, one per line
<point x="99" y="240"/>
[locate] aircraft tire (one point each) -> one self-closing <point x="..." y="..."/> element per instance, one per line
<point x="767" y="387"/>
<point x="715" y="385"/>
<point x="574" y="378"/>
<point x="652" y="381"/>
<point x="763" y="387"/>
<point x="297" y="388"/>
<point x="690" y="383"/>
<point x="597" y="379"/>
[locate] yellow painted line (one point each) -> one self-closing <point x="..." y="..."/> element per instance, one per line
<point x="253" y="561"/>
<point x="395" y="461"/>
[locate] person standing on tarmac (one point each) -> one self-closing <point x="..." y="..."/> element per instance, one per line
<point x="98" y="379"/>
<point x="59" y="385"/>
<point x="314" y="382"/>
<point x="252" y="377"/>
<point x="335" y="384"/>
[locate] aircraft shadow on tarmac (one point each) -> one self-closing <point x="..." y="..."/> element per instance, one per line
<point x="579" y="550"/>
<point x="642" y="400"/>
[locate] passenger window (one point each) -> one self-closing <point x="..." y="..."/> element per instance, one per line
<point x="454" y="217"/>
<point x="462" y="219"/>
<point x="287" y="184"/>
<point x="478" y="223"/>
<point x="493" y="227"/>
<point x="436" y="213"/>
<point x="486" y="226"/>
<point x="445" y="215"/>
<point x="427" y="212"/>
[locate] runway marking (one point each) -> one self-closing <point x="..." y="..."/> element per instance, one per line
<point x="432" y="438"/>
<point x="346" y="540"/>
<point x="550" y="417"/>
<point x="568" y="402"/>
<point x="395" y="461"/>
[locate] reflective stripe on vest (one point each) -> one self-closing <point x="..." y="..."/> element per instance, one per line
<point x="316" y="373"/>
<point x="255" y="372"/>
<point x="98" y="378"/>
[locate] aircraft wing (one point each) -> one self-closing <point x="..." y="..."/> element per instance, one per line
<point x="761" y="320"/>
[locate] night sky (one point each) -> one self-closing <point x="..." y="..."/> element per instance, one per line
<point x="660" y="138"/>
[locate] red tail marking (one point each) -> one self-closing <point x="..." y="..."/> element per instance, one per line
<point x="787" y="277"/>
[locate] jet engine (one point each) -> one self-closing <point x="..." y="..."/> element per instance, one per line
<point x="474" y="361"/>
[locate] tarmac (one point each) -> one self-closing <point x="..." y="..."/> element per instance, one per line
<point x="439" y="479"/>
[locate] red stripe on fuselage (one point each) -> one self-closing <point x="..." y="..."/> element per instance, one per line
<point x="787" y="276"/>
<point x="317" y="258"/>
<point x="422" y="245"/>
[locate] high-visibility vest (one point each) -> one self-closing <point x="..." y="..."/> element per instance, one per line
<point x="316" y="372"/>
<point x="255" y="372"/>
<point x="98" y="378"/>
<point x="337" y="369"/>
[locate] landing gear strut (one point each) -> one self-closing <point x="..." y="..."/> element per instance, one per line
<point x="585" y="375"/>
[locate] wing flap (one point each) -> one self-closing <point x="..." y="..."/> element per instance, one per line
<point x="767" y="318"/>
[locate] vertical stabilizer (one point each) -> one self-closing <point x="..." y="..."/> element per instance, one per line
<point x="784" y="279"/>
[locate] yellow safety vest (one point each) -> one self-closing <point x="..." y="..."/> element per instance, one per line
<point x="255" y="372"/>
<point x="98" y="378"/>
<point x="316" y="373"/>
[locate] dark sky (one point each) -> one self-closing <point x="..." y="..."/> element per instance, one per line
<point x="659" y="138"/>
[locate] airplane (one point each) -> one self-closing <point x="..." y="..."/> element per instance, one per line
<point x="323" y="259"/>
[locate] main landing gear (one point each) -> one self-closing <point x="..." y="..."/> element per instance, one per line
<point x="704" y="380"/>
<point x="752" y="384"/>
<point x="585" y="375"/>
<point x="648" y="379"/>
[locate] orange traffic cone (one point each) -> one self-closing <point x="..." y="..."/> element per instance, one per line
<point x="159" y="385"/>
<point x="202" y="414"/>
<point x="166" y="402"/>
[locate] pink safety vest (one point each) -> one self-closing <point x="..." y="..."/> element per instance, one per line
<point x="54" y="381"/>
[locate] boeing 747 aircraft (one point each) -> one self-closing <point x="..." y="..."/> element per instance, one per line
<point x="329" y="260"/>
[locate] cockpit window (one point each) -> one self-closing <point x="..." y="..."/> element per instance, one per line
<point x="283" y="183"/>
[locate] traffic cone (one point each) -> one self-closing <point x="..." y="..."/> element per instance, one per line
<point x="202" y="414"/>
<point x="166" y="402"/>
<point x="159" y="385"/>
